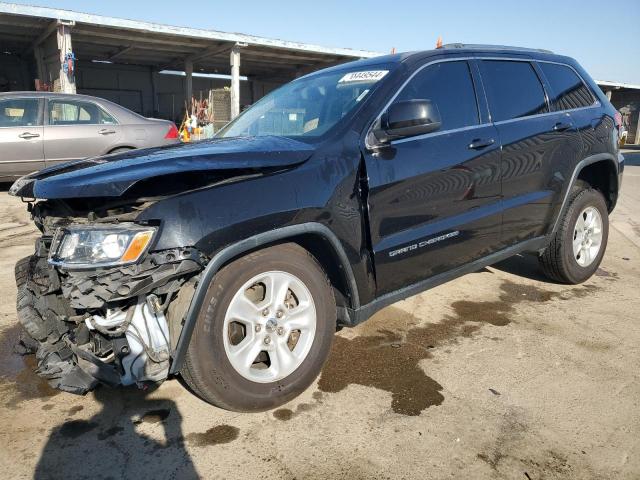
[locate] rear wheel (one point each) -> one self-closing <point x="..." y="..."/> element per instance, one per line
<point x="120" y="150"/>
<point x="264" y="331"/>
<point x="577" y="248"/>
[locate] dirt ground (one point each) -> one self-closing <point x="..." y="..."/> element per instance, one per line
<point x="499" y="374"/>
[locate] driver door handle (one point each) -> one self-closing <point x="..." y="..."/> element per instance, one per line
<point x="106" y="131"/>
<point x="562" y="126"/>
<point x="28" y="135"/>
<point x="479" y="143"/>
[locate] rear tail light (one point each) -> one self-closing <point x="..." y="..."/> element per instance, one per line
<point x="172" y="133"/>
<point x="618" y="119"/>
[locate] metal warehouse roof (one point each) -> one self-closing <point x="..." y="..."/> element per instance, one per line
<point x="97" y="37"/>
<point x="617" y="85"/>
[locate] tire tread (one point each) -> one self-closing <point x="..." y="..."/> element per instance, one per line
<point x="552" y="260"/>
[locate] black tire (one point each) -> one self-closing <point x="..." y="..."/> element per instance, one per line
<point x="26" y="343"/>
<point x="21" y="271"/>
<point x="121" y="150"/>
<point x="557" y="261"/>
<point x="208" y="371"/>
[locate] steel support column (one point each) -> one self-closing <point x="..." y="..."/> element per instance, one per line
<point x="40" y="68"/>
<point x="63" y="32"/>
<point x="235" y="81"/>
<point x="188" y="82"/>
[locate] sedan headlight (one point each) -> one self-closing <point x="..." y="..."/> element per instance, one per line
<point x="83" y="246"/>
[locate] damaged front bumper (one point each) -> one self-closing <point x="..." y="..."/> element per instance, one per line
<point x="111" y="325"/>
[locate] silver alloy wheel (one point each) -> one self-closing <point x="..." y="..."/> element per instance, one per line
<point x="587" y="236"/>
<point x="269" y="327"/>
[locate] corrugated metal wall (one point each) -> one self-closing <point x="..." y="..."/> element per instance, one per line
<point x="15" y="74"/>
<point x="145" y="92"/>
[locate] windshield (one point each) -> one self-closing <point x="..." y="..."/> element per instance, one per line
<point x="307" y="107"/>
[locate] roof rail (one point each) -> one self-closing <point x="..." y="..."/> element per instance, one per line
<point x="492" y="47"/>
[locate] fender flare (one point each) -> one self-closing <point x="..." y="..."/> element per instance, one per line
<point x="574" y="177"/>
<point x="232" y="251"/>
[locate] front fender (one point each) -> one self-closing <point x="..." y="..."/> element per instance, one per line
<point x="246" y="245"/>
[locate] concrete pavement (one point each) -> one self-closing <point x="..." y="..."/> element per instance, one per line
<point x="499" y="374"/>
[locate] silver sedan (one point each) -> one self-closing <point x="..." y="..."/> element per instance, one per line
<point x="40" y="129"/>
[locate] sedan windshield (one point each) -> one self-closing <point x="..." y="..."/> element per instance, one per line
<point x="307" y="107"/>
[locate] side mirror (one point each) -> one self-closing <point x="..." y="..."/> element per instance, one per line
<point x="408" y="119"/>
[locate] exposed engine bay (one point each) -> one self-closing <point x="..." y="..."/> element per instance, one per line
<point x="115" y="325"/>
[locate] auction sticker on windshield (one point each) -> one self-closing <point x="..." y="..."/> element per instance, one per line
<point x="365" y="76"/>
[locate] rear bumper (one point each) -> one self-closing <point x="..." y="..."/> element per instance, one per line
<point x="620" y="170"/>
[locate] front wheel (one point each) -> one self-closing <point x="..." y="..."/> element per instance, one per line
<point x="264" y="332"/>
<point x="577" y="247"/>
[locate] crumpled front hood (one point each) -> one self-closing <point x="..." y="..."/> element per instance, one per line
<point x="113" y="175"/>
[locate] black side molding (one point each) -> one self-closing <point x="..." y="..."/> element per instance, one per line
<point x="246" y="245"/>
<point x="359" y="315"/>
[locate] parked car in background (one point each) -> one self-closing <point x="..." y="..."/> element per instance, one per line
<point x="40" y="129"/>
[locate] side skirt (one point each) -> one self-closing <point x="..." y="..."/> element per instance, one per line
<point x="350" y="318"/>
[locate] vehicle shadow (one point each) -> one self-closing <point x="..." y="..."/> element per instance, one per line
<point x="132" y="436"/>
<point x="524" y="265"/>
<point x="5" y="186"/>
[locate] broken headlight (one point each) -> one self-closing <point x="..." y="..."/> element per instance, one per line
<point x="83" y="246"/>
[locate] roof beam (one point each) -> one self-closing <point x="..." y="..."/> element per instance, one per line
<point x="15" y="22"/>
<point x="287" y="56"/>
<point x="128" y="37"/>
<point x="120" y="52"/>
<point x="277" y="61"/>
<point x="48" y="31"/>
<point x="211" y="52"/>
<point x="140" y="44"/>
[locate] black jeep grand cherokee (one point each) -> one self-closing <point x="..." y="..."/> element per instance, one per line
<point x="233" y="261"/>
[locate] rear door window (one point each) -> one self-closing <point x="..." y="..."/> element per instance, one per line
<point x="67" y="112"/>
<point x="450" y="87"/>
<point x="513" y="89"/>
<point x="568" y="90"/>
<point x="19" y="112"/>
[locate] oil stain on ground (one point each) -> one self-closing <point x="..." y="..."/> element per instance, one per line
<point x="214" y="436"/>
<point x="286" y="414"/>
<point x="601" y="272"/>
<point x="390" y="359"/>
<point x="73" y="410"/>
<point x="18" y="380"/>
<point x="154" y="416"/>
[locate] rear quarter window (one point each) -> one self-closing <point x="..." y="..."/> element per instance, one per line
<point x="513" y="89"/>
<point x="68" y="112"/>
<point x="568" y="91"/>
